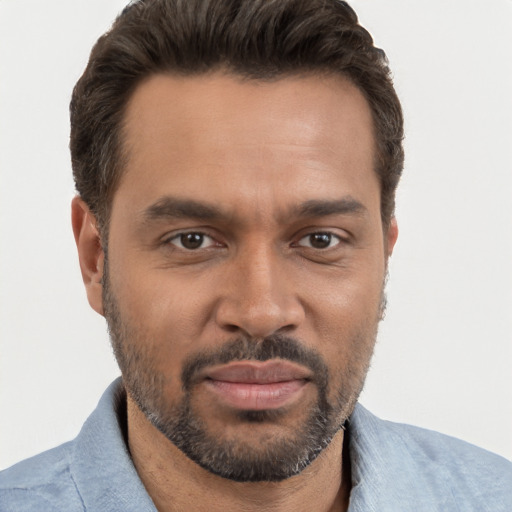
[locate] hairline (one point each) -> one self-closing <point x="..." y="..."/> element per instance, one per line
<point x="122" y="152"/>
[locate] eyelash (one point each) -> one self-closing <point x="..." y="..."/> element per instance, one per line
<point x="179" y="238"/>
<point x="332" y="236"/>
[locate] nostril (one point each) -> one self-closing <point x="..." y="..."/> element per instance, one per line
<point x="259" y="314"/>
<point x="286" y="329"/>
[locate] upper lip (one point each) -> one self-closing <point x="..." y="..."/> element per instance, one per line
<point x="256" y="372"/>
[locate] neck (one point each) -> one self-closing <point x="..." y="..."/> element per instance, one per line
<point x="174" y="482"/>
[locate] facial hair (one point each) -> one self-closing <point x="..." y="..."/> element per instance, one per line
<point x="238" y="459"/>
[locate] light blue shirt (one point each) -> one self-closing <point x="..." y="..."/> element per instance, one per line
<point x="394" y="468"/>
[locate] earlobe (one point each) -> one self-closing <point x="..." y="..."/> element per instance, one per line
<point x="90" y="252"/>
<point x="392" y="236"/>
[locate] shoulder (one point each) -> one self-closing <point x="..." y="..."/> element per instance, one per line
<point x="43" y="482"/>
<point x="462" y="459"/>
<point x="436" y="463"/>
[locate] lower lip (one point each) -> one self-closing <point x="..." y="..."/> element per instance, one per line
<point x="256" y="397"/>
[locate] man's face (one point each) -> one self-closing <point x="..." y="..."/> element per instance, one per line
<point x="246" y="262"/>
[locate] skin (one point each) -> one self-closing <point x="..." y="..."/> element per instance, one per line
<point x="258" y="151"/>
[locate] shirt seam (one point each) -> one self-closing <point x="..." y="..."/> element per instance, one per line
<point x="84" y="508"/>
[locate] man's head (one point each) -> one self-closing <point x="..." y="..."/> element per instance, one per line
<point x="247" y="233"/>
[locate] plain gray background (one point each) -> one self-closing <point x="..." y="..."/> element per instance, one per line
<point x="444" y="356"/>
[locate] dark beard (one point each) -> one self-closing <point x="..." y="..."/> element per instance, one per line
<point x="238" y="460"/>
<point x="280" y="457"/>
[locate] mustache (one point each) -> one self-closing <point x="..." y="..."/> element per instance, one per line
<point x="276" y="346"/>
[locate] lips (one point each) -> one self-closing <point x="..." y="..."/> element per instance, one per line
<point x="253" y="372"/>
<point x="252" y="385"/>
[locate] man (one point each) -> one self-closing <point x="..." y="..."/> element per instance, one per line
<point x="236" y="164"/>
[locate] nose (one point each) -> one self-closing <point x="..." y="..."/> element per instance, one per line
<point x="258" y="296"/>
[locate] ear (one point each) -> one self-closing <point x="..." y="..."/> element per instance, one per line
<point x="391" y="236"/>
<point x="90" y="252"/>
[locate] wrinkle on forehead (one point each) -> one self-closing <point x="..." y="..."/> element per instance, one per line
<point x="252" y="146"/>
<point x="215" y="113"/>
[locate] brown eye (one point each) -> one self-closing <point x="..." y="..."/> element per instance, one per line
<point x="320" y="240"/>
<point x="192" y="241"/>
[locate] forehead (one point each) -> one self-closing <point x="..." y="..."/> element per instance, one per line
<point x="219" y="135"/>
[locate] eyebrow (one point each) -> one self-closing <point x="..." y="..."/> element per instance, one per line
<point x="174" y="208"/>
<point x="169" y="207"/>
<point x="322" y="208"/>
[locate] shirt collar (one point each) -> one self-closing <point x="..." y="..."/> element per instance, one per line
<point x="101" y="464"/>
<point x="390" y="471"/>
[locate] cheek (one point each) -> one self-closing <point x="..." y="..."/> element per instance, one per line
<point x="158" y="309"/>
<point x="346" y="302"/>
<point x="344" y="316"/>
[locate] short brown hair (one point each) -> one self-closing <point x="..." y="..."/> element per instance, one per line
<point x="258" y="39"/>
